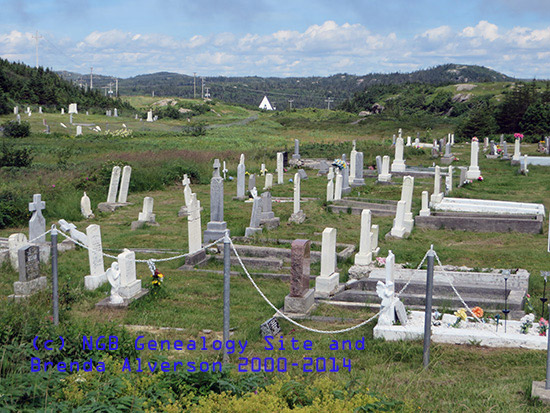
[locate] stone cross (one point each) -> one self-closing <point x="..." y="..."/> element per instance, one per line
<point x="124" y="184"/>
<point x="37" y="223"/>
<point x="73" y="232"/>
<point x="113" y="185"/>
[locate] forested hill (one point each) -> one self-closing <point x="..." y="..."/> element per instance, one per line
<point x="24" y="85"/>
<point x="304" y="91"/>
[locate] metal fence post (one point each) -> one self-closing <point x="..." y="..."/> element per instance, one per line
<point x="428" y="310"/>
<point x="55" y="289"/>
<point x="226" y="285"/>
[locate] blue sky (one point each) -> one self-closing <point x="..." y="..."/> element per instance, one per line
<point x="278" y="38"/>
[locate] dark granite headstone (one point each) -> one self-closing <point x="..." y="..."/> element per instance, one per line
<point x="300" y="267"/>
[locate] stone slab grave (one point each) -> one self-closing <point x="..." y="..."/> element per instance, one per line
<point x="483" y="289"/>
<point x="483" y="215"/>
<point x="503" y="223"/>
<point x="112" y="203"/>
<point x="146" y="216"/>
<point x="30" y="280"/>
<point x="378" y="207"/>
<point x="485" y="334"/>
<point x="536" y="160"/>
<point x="273" y="262"/>
<point x="125" y="287"/>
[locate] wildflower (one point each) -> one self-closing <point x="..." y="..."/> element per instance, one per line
<point x="53" y="185"/>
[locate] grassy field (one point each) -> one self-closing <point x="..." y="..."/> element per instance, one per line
<point x="460" y="378"/>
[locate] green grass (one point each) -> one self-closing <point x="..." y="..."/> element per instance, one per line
<point x="460" y="378"/>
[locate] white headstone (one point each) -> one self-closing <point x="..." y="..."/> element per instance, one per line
<point x="280" y="168"/>
<point x="327" y="282"/>
<point x="86" y="207"/>
<point x="398" y="164"/>
<point x="129" y="284"/>
<point x="330" y="190"/>
<point x="113" y="185"/>
<point x="364" y="256"/>
<point x="268" y="181"/>
<point x="384" y="175"/>
<point x="517" y="150"/>
<point x="124" y="184"/>
<point x="296" y="203"/>
<point x="194" y="224"/>
<point x="473" y="171"/>
<point x="95" y="258"/>
<point x="437" y="195"/>
<point x="73" y="108"/>
<point x="409" y="141"/>
<point x="78" y="130"/>
<point x="406" y="195"/>
<point x="338" y="186"/>
<point x="398" y="230"/>
<point x="150" y="116"/>
<point x="146" y="215"/>
<point x="241" y="178"/>
<point x="62" y="111"/>
<point x="386" y="291"/>
<point x="449" y="181"/>
<point x="37" y="223"/>
<point x="15" y="242"/>
<point x="425" y="211"/>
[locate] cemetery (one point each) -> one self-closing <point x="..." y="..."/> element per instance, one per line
<point x="250" y="232"/>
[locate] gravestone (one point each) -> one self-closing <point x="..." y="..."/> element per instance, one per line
<point x="330" y="186"/>
<point x="224" y="171"/>
<point x="73" y="108"/>
<point x="398" y="230"/>
<point x="384" y="175"/>
<point x="346" y="189"/>
<point x="270" y="328"/>
<point x="112" y="204"/>
<point x="425" y="210"/>
<point x="437" y="195"/>
<point x="298" y="215"/>
<point x="268" y="218"/>
<point x="197" y="254"/>
<point x="73" y="232"/>
<point x="462" y="177"/>
<point x="18" y="118"/>
<point x="16" y="110"/>
<point x="268" y="181"/>
<point x="149" y="116"/>
<point x="215" y="229"/>
<point x="386" y="291"/>
<point x="338" y="186"/>
<point x="398" y="164"/>
<point x="30" y="280"/>
<point x="326" y="283"/>
<point x="255" y="216"/>
<point x="71" y="118"/>
<point x="116" y="113"/>
<point x="97" y="275"/>
<point x="62" y="111"/>
<point x="409" y="143"/>
<point x="473" y="171"/>
<point x="296" y="155"/>
<point x="406" y="195"/>
<point x="241" y="170"/>
<point x="78" y="130"/>
<point x="280" y="168"/>
<point x="323" y="167"/>
<point x="449" y="181"/>
<point x="505" y="155"/>
<point x="15" y="243"/>
<point x="379" y="164"/>
<point x="448" y="157"/>
<point x="37" y="223"/>
<point x="146" y="216"/>
<point x="251" y="182"/>
<point x="517" y="152"/>
<point x="86" y="207"/>
<point x="263" y="170"/>
<point x="301" y="298"/>
<point x="124" y="184"/>
<point x="303" y="174"/>
<point x="358" y="179"/>
<point x="364" y="256"/>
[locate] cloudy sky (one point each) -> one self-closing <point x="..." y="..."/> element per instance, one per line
<point x="277" y="38"/>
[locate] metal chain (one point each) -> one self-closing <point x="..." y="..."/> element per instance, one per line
<point x="314" y="330"/>
<point x="32" y="240"/>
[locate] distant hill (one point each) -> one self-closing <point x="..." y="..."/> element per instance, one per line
<point x="304" y="91"/>
<point x="22" y="84"/>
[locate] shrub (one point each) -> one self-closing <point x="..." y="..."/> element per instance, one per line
<point x="14" y="129"/>
<point x="19" y="158"/>
<point x="13" y="209"/>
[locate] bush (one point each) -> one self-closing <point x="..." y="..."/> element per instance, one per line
<point x="19" y="158"/>
<point x="13" y="209"/>
<point x="14" y="129"/>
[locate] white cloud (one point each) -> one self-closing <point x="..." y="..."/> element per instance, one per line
<point x="319" y="49"/>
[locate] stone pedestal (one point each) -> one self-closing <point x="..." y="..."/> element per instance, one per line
<point x="250" y="231"/>
<point x="106" y="303"/>
<point x="196" y="258"/>
<point x="326" y="286"/>
<point x="298" y="217"/>
<point x="300" y="305"/>
<point x="539" y="390"/>
<point x="360" y="271"/>
<point x="91" y="282"/>
<point x="214" y="231"/>
<point x="24" y="289"/>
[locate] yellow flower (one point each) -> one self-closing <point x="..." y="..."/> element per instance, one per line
<point x="161" y="275"/>
<point x="461" y="314"/>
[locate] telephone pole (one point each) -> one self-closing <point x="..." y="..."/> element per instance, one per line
<point x="116" y="87"/>
<point x="207" y="95"/>
<point x="91" y="78"/>
<point x="202" y="90"/>
<point x="329" y="101"/>
<point x="194" y="85"/>
<point x="290" y="103"/>
<point x="36" y="37"/>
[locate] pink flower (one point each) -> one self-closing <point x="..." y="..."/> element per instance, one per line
<point x="53" y="185"/>
<point x="518" y="136"/>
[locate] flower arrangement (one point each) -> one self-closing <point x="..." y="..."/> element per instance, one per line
<point x="526" y="323"/>
<point x="543" y="327"/>
<point x="474" y="139"/>
<point x="158" y="278"/>
<point x="467" y="182"/>
<point x="518" y="136"/>
<point x="340" y="164"/>
<point x="480" y="178"/>
<point x="528" y="303"/>
<point x="460" y="316"/>
<point x="380" y="261"/>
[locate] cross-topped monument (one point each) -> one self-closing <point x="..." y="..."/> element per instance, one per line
<point x="37" y="223"/>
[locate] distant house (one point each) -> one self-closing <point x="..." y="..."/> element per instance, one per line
<point x="265" y="104"/>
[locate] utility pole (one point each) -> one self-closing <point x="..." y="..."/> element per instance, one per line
<point x="329" y="101"/>
<point x="290" y="103"/>
<point x="91" y="78"/>
<point x="202" y="90"/>
<point x="116" y="87"/>
<point x="207" y="95"/>
<point x="194" y="85"/>
<point x="36" y="37"/>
